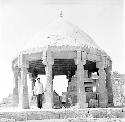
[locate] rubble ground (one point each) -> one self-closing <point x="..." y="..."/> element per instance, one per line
<point x="64" y="115"/>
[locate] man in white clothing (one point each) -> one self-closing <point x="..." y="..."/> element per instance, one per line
<point x="39" y="91"/>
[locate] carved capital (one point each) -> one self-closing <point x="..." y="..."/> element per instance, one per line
<point x="15" y="70"/>
<point x="98" y="65"/>
<point x="48" y="70"/>
<point x="22" y="61"/>
<point x="102" y="72"/>
<point x="110" y="64"/>
<point x="83" y="62"/>
<point x="48" y="58"/>
<point x="30" y="76"/>
<point x="44" y="58"/>
<point x="101" y="64"/>
<point x="104" y="61"/>
<point x="47" y="63"/>
<point x="24" y="69"/>
<point x="84" y="56"/>
<point x="81" y="58"/>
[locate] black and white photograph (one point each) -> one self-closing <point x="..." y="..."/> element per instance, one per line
<point x="62" y="61"/>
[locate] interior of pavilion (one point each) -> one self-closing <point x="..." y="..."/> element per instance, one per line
<point x="68" y="68"/>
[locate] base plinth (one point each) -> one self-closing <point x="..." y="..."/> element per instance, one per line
<point x="82" y="105"/>
<point x="23" y="98"/>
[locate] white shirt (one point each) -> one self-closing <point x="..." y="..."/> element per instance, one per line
<point x="38" y="88"/>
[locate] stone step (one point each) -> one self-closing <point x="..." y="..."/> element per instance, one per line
<point x="80" y="120"/>
<point x="62" y="114"/>
<point x="46" y="120"/>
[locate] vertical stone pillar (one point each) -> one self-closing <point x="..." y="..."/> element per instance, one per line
<point x="48" y="62"/>
<point x="86" y="73"/>
<point x="103" y="99"/>
<point x="23" y="95"/>
<point x="81" y="95"/>
<point x="109" y="86"/>
<point x="31" y="88"/>
<point x="15" y="89"/>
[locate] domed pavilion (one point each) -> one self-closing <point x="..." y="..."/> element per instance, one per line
<point x="62" y="49"/>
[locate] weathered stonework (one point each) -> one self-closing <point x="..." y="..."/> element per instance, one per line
<point x="83" y="114"/>
<point x="48" y="103"/>
<point x="15" y="89"/>
<point x="118" y="83"/>
<point x="23" y="91"/>
<point x="64" y="51"/>
<point x="109" y="85"/>
<point x="103" y="100"/>
<point x="81" y="95"/>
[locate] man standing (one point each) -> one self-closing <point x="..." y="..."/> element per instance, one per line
<point x="38" y="89"/>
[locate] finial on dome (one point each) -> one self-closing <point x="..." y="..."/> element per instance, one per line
<point x="61" y="14"/>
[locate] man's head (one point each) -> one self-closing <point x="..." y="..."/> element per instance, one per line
<point x="38" y="80"/>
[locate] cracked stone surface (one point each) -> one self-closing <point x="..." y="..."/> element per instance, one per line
<point x="42" y="114"/>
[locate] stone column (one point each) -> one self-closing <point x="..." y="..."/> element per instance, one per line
<point x="69" y="76"/>
<point x="109" y="86"/>
<point x="103" y="99"/>
<point x="23" y="95"/>
<point x="85" y="73"/>
<point x="48" y="62"/>
<point x="81" y="95"/>
<point x="15" y="89"/>
<point x="31" y="88"/>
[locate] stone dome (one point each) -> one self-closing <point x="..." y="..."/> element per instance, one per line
<point x="62" y="33"/>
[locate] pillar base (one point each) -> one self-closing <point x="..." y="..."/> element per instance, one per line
<point x="110" y="105"/>
<point x="82" y="105"/>
<point x="110" y="98"/>
<point x="102" y="105"/>
<point x="103" y="100"/>
<point x="23" y="99"/>
<point x="15" y="100"/>
<point x="15" y="97"/>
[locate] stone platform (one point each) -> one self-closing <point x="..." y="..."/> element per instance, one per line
<point x="62" y="114"/>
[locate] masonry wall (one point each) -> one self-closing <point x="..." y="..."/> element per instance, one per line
<point x="118" y="86"/>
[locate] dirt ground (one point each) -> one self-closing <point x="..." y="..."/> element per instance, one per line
<point x="78" y="120"/>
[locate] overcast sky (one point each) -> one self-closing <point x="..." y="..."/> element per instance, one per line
<point x="21" y="20"/>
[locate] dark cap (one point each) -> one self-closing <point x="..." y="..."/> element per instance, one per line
<point x="38" y="78"/>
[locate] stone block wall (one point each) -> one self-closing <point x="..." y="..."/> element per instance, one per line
<point x="118" y="87"/>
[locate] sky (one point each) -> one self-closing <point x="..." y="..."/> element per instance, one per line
<point x="21" y="20"/>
